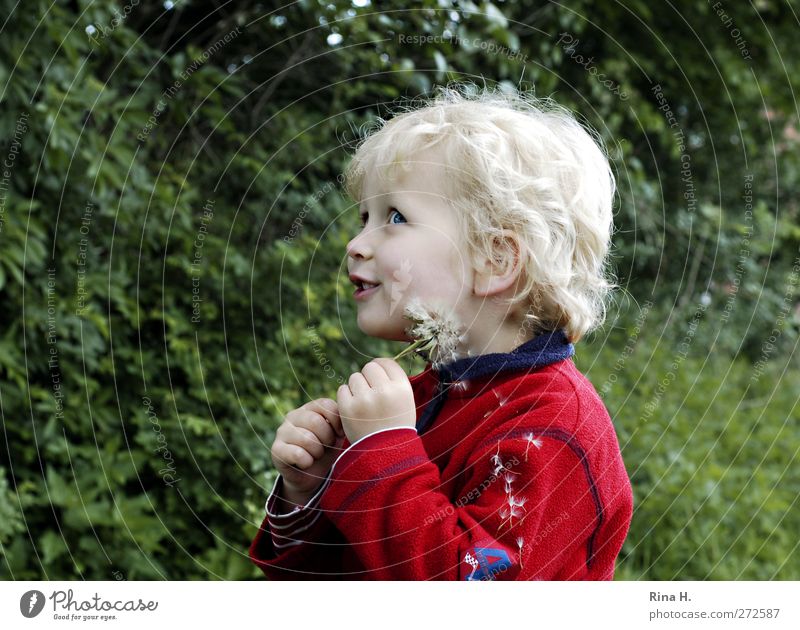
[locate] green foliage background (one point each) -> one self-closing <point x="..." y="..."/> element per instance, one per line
<point x="136" y="117"/>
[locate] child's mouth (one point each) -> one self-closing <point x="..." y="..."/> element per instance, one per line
<point x="362" y="292"/>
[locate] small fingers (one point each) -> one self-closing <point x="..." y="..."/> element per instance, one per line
<point x="392" y="368"/>
<point x="292" y="455"/>
<point x="328" y="409"/>
<point x="343" y="392"/>
<point x="375" y="374"/>
<point x="319" y="425"/>
<point x="307" y="440"/>
<point x="358" y="384"/>
<point x="344" y="398"/>
<point x="325" y="406"/>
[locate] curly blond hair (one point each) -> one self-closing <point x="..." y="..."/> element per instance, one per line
<point x="521" y="163"/>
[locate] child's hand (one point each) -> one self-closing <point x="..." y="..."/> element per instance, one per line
<point x="378" y="397"/>
<point x="305" y="447"/>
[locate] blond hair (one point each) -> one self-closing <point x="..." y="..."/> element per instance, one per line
<point x="516" y="162"/>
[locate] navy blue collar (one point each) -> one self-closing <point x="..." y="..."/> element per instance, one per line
<point x="544" y="349"/>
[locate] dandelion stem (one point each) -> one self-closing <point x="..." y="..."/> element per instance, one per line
<point x="436" y="333"/>
<point x="412" y="348"/>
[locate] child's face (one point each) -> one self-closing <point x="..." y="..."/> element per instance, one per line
<point x="411" y="245"/>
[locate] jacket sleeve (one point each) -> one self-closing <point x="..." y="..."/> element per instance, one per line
<point x="523" y="511"/>
<point x="300" y="545"/>
<point x="304" y="544"/>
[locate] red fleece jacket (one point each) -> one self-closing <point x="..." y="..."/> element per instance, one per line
<point x="519" y="477"/>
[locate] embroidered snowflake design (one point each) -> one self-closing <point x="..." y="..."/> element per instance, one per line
<point x="531" y="440"/>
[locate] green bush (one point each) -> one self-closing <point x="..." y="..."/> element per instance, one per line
<point x="172" y="264"/>
<point x="712" y="454"/>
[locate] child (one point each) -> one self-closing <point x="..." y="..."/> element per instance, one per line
<point x="499" y="460"/>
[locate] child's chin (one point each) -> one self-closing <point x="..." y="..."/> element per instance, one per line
<point x="381" y="330"/>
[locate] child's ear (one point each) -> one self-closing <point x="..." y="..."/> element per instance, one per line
<point x="495" y="274"/>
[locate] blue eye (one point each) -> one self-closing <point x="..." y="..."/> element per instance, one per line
<point x="392" y="212"/>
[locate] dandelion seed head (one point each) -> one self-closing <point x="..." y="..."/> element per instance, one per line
<point x="435" y="323"/>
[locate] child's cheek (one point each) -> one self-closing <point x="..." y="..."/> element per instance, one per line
<point x="441" y="285"/>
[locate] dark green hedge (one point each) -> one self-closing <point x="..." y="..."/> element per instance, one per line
<point x="172" y="247"/>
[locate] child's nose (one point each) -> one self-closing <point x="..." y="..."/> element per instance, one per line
<point x="359" y="247"/>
